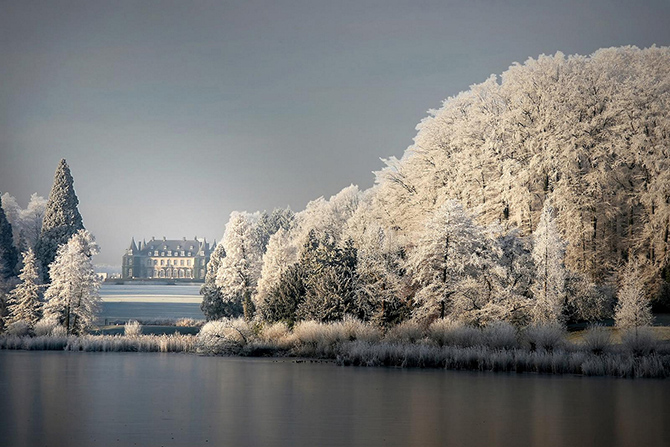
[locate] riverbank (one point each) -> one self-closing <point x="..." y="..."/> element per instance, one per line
<point x="500" y="348"/>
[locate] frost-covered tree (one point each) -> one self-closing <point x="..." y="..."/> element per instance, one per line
<point x="381" y="287"/>
<point x="238" y="273"/>
<point x="25" y="300"/>
<point x="329" y="277"/>
<point x="12" y="214"/>
<point x="591" y="131"/>
<point x="26" y="222"/>
<point x="31" y="219"/>
<point x="269" y="224"/>
<point x="633" y="309"/>
<point x="450" y="250"/>
<point x="550" y="273"/>
<point x="61" y="217"/>
<point x="281" y="254"/>
<point x="8" y="253"/>
<point x="72" y="297"/>
<point x="212" y="304"/>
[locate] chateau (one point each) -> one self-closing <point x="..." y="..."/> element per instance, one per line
<point x="172" y="259"/>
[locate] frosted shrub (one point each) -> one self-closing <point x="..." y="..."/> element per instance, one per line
<point x="274" y="332"/>
<point x="59" y="331"/>
<point x="639" y="341"/>
<point x="597" y="339"/>
<point x="312" y="333"/>
<point x="18" y="328"/>
<point x="446" y="332"/>
<point x="500" y="335"/>
<point x="548" y="336"/>
<point x="45" y="326"/>
<point x="355" y="329"/>
<point x="406" y="332"/>
<point x="132" y="328"/>
<point x="189" y="322"/>
<point x="224" y="337"/>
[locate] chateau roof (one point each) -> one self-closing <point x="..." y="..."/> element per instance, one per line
<point x="172" y="245"/>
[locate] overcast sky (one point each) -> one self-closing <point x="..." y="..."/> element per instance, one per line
<point x="173" y="114"/>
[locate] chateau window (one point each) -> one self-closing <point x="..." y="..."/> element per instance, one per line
<point x="155" y="262"/>
<point x="148" y="262"/>
<point x="162" y="253"/>
<point x="182" y="253"/>
<point x="182" y="262"/>
<point x="189" y="253"/>
<point x="188" y="262"/>
<point x="170" y="253"/>
<point x="130" y="261"/>
<point x="162" y="262"/>
<point x="155" y="253"/>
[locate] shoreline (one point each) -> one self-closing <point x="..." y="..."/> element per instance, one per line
<point x="571" y="360"/>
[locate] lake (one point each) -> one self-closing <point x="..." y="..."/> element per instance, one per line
<point x="141" y="301"/>
<point x="112" y="399"/>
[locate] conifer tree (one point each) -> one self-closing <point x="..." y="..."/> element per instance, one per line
<point x="212" y="303"/>
<point x="72" y="296"/>
<point x="25" y="299"/>
<point x="8" y="253"/>
<point x="61" y="217"/>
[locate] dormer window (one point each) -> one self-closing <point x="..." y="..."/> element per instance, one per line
<point x="162" y="253"/>
<point x="170" y="253"/>
<point x="155" y="253"/>
<point x="182" y="252"/>
<point x="189" y="253"/>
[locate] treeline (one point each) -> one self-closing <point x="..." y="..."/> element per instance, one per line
<point x="542" y="198"/>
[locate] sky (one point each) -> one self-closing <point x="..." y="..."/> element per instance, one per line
<point x="172" y="114"/>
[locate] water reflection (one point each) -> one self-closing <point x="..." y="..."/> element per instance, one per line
<point x="86" y="399"/>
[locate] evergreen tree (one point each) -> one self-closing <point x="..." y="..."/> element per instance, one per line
<point x="61" y="218"/>
<point x="212" y="303"/>
<point x="329" y="277"/>
<point x="72" y="297"/>
<point x="285" y="297"/>
<point x="8" y="254"/>
<point x="25" y="301"/>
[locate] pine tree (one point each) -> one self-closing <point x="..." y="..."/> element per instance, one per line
<point x="72" y="296"/>
<point x="633" y="309"/>
<point x="25" y="300"/>
<point x="8" y="254"/>
<point x="61" y="217"/>
<point x="212" y="303"/>
<point x="548" y="254"/>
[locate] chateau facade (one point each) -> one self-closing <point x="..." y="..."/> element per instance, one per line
<point x="171" y="259"/>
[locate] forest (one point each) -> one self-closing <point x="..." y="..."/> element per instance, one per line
<point x="539" y="196"/>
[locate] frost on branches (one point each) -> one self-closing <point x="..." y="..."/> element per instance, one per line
<point x="548" y="254"/>
<point x="61" y="217"/>
<point x="239" y="270"/>
<point x="25" y="299"/>
<point x="72" y="297"/>
<point x="633" y="309"/>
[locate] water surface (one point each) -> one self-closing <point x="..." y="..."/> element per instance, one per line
<point x="111" y="399"/>
<point x="148" y="301"/>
